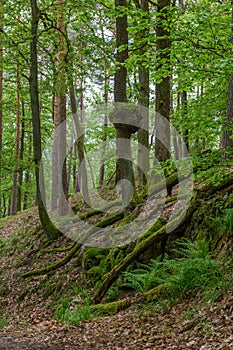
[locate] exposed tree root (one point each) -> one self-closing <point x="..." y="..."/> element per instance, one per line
<point x="54" y="266"/>
<point x="154" y="235"/>
<point x="119" y="305"/>
<point x="73" y="249"/>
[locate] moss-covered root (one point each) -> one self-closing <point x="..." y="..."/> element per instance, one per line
<point x="123" y="304"/>
<point x="54" y="266"/>
<point x="104" y="223"/>
<point x="94" y="212"/>
<point x="155" y="233"/>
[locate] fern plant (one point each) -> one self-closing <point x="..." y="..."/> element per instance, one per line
<point x="192" y="272"/>
<point x="146" y="277"/>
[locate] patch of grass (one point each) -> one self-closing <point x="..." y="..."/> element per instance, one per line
<point x="72" y="314"/>
<point x="73" y="311"/>
<point x="188" y="315"/>
<point x="3" y="288"/>
<point x="3" y="320"/>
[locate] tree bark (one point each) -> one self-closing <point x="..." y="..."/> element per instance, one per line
<point x="81" y="178"/>
<point x="121" y="117"/>
<point x="1" y="98"/>
<point x="17" y="148"/>
<point x="61" y="99"/>
<point x="227" y="140"/>
<point x="21" y="155"/>
<point x="163" y="88"/>
<point x="143" y="100"/>
<point x="184" y="105"/>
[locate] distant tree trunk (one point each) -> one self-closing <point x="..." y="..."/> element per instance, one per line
<point x="102" y="166"/>
<point x="48" y="226"/>
<point x="185" y="143"/>
<point x="163" y="89"/>
<point x="69" y="172"/>
<point x="17" y="149"/>
<point x="27" y="175"/>
<point x="227" y="140"/>
<point x="1" y="97"/>
<point x="62" y="172"/>
<point x="105" y="122"/>
<point x="21" y="155"/>
<point x="81" y="177"/>
<point x="54" y="198"/>
<point x="143" y="100"/>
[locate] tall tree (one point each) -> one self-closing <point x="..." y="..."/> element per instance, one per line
<point x="1" y="96"/>
<point x="163" y="87"/>
<point x="48" y="226"/>
<point x="227" y="139"/>
<point x="14" y="201"/>
<point x="82" y="173"/>
<point x="143" y="100"/>
<point x="122" y="115"/>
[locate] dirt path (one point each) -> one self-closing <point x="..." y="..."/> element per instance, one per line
<point x="209" y="328"/>
<point x="10" y="342"/>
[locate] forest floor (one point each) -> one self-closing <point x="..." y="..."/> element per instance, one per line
<point x="30" y="325"/>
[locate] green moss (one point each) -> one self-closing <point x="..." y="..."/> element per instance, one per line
<point x="154" y="228"/>
<point x="93" y="256"/>
<point x="95" y="273"/>
<point x="110" y="308"/>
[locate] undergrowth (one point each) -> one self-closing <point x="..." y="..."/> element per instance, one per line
<point x="193" y="271"/>
<point x="74" y="311"/>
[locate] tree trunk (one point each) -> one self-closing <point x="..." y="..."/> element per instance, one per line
<point x="185" y="143"/>
<point x="227" y="140"/>
<point x="21" y="155"/>
<point x="51" y="231"/>
<point x="61" y="98"/>
<point x="163" y="89"/>
<point x="124" y="166"/>
<point x="27" y="175"/>
<point x="17" y="149"/>
<point x="143" y="100"/>
<point x="1" y="97"/>
<point x="81" y="177"/>
<point x="105" y="122"/>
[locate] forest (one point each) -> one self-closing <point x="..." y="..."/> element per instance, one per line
<point x="116" y="174"/>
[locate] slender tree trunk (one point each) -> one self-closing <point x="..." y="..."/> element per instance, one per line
<point x="163" y="89"/>
<point x="27" y="175"/>
<point x="54" y="198"/>
<point x="105" y="122"/>
<point x="21" y="155"/>
<point x="48" y="226"/>
<point x="17" y="149"/>
<point x="81" y="177"/>
<point x="1" y="99"/>
<point x="185" y="143"/>
<point x="143" y="100"/>
<point x="62" y="172"/>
